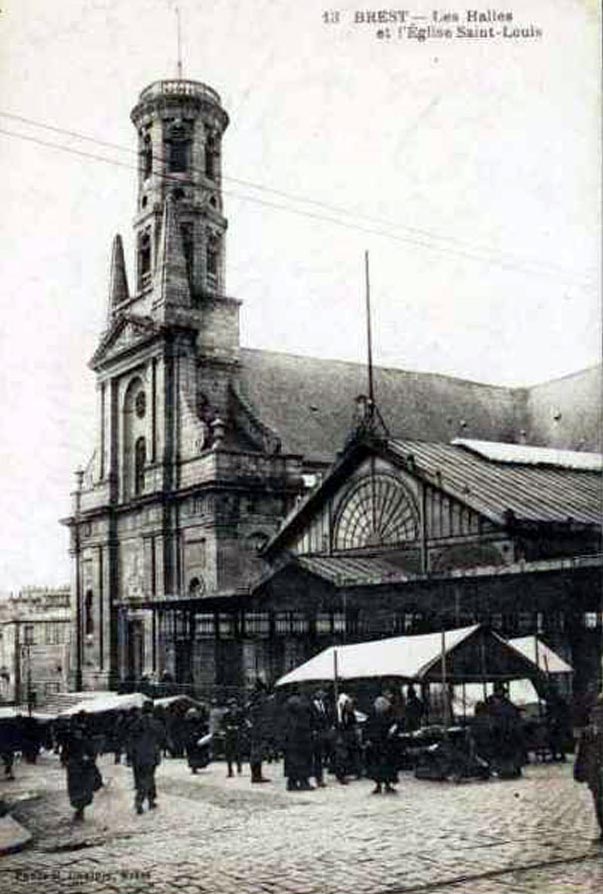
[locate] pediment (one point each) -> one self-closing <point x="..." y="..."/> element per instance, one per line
<point x="125" y="332"/>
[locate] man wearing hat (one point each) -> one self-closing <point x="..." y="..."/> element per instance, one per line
<point x="589" y="759"/>
<point x="321" y="727"/>
<point x="146" y="741"/>
<point x="232" y="731"/>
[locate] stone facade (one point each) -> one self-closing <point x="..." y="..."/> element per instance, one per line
<point x="35" y="644"/>
<point x="185" y="483"/>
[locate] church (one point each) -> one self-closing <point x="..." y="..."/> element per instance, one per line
<point x="238" y="511"/>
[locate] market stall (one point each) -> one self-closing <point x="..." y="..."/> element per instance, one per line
<point x="461" y="655"/>
<point x="471" y="658"/>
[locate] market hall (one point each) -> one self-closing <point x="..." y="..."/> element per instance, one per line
<point x="411" y="537"/>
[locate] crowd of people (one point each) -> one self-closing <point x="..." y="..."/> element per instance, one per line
<point x="316" y="734"/>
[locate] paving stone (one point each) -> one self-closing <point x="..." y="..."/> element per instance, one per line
<point x="213" y="836"/>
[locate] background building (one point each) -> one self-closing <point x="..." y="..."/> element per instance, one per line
<point x="36" y="626"/>
<point x="203" y="448"/>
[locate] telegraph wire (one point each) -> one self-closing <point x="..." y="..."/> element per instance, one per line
<point x="485" y="256"/>
<point x="385" y="233"/>
<point x="510" y="261"/>
<point x="520" y="263"/>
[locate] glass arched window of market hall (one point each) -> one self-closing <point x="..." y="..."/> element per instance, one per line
<point x="378" y="511"/>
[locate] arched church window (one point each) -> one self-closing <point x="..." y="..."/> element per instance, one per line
<point x="211" y="157"/>
<point x="379" y="511"/>
<point x="140" y="404"/>
<point x="140" y="458"/>
<point x="177" y="149"/>
<point x="147" y="157"/>
<point x="187" y="247"/>
<point x="213" y="255"/>
<point x="88" y="613"/>
<point x="144" y="255"/>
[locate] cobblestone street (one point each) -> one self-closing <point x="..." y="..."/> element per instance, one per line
<point x="211" y="835"/>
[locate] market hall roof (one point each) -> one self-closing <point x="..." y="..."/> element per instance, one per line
<point x="532" y="492"/>
<point x="501" y="490"/>
<point x="346" y="572"/>
<point x="534" y="456"/>
<point x="343" y="570"/>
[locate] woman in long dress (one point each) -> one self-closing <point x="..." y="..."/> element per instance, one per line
<point x="79" y="758"/>
<point x="198" y="755"/>
<point x="297" y="742"/>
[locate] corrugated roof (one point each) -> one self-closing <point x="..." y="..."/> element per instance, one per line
<point x="533" y="456"/>
<point x="531" y="493"/>
<point x="353" y="569"/>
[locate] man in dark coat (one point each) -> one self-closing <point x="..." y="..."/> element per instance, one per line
<point x="507" y="734"/>
<point x="78" y="757"/>
<point x="589" y="759"/>
<point x="146" y="738"/>
<point x="30" y="738"/>
<point x="115" y="740"/>
<point x="297" y="743"/>
<point x="321" y="729"/>
<point x="258" y="711"/>
<point x="415" y="710"/>
<point x="378" y="732"/>
<point x="9" y="743"/>
<point x="231" y="729"/>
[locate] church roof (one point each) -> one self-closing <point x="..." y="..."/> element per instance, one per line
<point x="310" y="402"/>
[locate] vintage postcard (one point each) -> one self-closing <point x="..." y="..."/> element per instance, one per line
<point x="301" y="447"/>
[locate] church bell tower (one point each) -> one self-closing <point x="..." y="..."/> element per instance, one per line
<point x="179" y="227"/>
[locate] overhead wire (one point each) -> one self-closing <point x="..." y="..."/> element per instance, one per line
<point x="386" y="229"/>
<point x="290" y="196"/>
<point x="509" y="260"/>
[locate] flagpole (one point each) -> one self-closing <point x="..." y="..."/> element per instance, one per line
<point x="369" y="341"/>
<point x="179" y="34"/>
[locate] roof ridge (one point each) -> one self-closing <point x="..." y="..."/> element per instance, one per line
<point x="389" y="368"/>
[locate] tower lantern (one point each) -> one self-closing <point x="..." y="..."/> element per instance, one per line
<point x="180" y="124"/>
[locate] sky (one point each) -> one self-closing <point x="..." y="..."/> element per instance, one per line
<point x="468" y="168"/>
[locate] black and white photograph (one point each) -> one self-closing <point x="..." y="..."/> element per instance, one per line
<point x="300" y="455"/>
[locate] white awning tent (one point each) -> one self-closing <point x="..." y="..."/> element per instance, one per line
<point x="547" y="660"/>
<point x="107" y="702"/>
<point x="170" y="701"/>
<point x="466" y="696"/>
<point x="472" y="653"/>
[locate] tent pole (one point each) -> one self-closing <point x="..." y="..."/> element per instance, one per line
<point x="335" y="678"/>
<point x="445" y="682"/>
<point x="483" y="657"/>
<point x="537" y="658"/>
